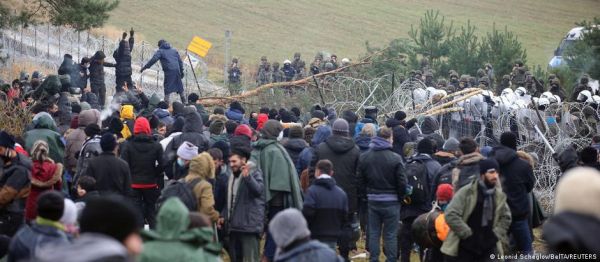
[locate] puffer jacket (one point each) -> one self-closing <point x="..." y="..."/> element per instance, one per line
<point x="381" y="171"/>
<point x="144" y="156"/>
<point x="164" y="116"/>
<point x="325" y="209"/>
<point x="123" y="57"/>
<point x="294" y="147"/>
<point x="517" y="181"/>
<point x="344" y="154"/>
<point x="30" y="239"/>
<point x="96" y="69"/>
<point x="247" y="215"/>
<point x="77" y="137"/>
<point x="44" y="128"/>
<point x="14" y="184"/>
<point x="312" y="250"/>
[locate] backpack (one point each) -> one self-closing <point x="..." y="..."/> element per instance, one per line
<point x="182" y="190"/>
<point x="418" y="179"/>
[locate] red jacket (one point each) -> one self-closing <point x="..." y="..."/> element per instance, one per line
<point x="44" y="176"/>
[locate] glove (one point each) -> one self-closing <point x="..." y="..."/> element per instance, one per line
<point x="124" y="35"/>
<point x="131" y="32"/>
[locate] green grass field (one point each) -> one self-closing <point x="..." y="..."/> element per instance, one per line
<point x="280" y="28"/>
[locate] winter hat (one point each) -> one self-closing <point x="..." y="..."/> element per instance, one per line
<point x="318" y="114"/>
<point x="75" y="108"/>
<point x="230" y="126"/>
<point x="178" y="124"/>
<point x="331" y="114"/>
<point x="92" y="130"/>
<point x="142" y="126"/>
<point x="589" y="155"/>
<point x="127" y="112"/>
<point x="296" y="131"/>
<point x="426" y="146"/>
<point x="271" y="129"/>
<point x="224" y="147"/>
<point x="451" y="145"/>
<point x="69" y="216"/>
<point x="350" y="116"/>
<point x="108" y="142"/>
<point x="6" y="140"/>
<point x="40" y="151"/>
<point x="399" y="115"/>
<point x="288" y="226"/>
<point x="177" y="108"/>
<point x="509" y="139"/>
<point x="260" y="122"/>
<point x="444" y="193"/>
<point x="162" y="105"/>
<point x="85" y="106"/>
<point x="322" y="133"/>
<point x="487" y="164"/>
<point x="50" y="205"/>
<point x="187" y="151"/>
<point x="74" y="122"/>
<point x="340" y="126"/>
<point x="286" y="117"/>
<point x="203" y="166"/>
<point x="216" y="127"/>
<point x="296" y="111"/>
<point x="110" y="215"/>
<point x="90" y="116"/>
<point x="578" y="191"/>
<point x="243" y="130"/>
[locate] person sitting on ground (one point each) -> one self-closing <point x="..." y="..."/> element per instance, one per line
<point x="292" y="237"/>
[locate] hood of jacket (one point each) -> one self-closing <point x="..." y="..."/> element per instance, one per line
<point x="127" y="112"/>
<point x="328" y="183"/>
<point x="44" y="121"/>
<point x="573" y="231"/>
<point x="263" y="143"/>
<point x="295" y="144"/>
<point x="153" y="101"/>
<point x="172" y="221"/>
<point x="234" y="114"/>
<point x="161" y="113"/>
<point x="87" y="117"/>
<point x="469" y="159"/>
<point x="340" y="144"/>
<point x="202" y="166"/>
<point x="567" y="159"/>
<point x="363" y="141"/>
<point x="391" y="123"/>
<point x="321" y="135"/>
<point x="193" y="123"/>
<point x="504" y="155"/>
<point x="165" y="45"/>
<point x="88" y="247"/>
<point x="378" y="144"/>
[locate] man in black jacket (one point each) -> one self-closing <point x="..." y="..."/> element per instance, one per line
<point x="111" y="173"/>
<point x="122" y="57"/>
<point x="517" y="180"/>
<point x="325" y="206"/>
<point x="245" y="210"/>
<point x="383" y="182"/>
<point x="341" y="150"/>
<point x="144" y="155"/>
<point x="96" y="69"/>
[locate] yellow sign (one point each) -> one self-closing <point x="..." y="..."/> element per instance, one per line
<point x="199" y="46"/>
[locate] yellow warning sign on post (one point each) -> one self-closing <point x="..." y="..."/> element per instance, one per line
<point x="199" y="46"/>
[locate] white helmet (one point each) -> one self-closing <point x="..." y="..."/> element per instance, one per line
<point x="546" y="94"/>
<point x="507" y="91"/>
<point x="287" y="62"/>
<point x="543" y="101"/>
<point x="345" y="60"/>
<point x="595" y="99"/>
<point x="584" y="95"/>
<point x="521" y="91"/>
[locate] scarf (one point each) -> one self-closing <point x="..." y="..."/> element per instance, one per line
<point x="488" y="203"/>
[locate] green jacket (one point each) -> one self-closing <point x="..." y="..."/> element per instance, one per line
<point x="459" y="210"/>
<point x="278" y="171"/>
<point x="44" y="128"/>
<point x="173" y="241"/>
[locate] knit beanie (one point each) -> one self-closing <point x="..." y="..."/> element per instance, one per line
<point x="108" y="142"/>
<point x="92" y="130"/>
<point x="216" y="127"/>
<point x="177" y="108"/>
<point x="425" y="146"/>
<point x="69" y="216"/>
<point x="178" y="124"/>
<point x="487" y="164"/>
<point x="243" y="130"/>
<point x="142" y="126"/>
<point x="288" y="226"/>
<point x="509" y="139"/>
<point x="6" y="140"/>
<point x="75" y="108"/>
<point x="578" y="191"/>
<point x="296" y="131"/>
<point x="85" y="106"/>
<point x="187" y="151"/>
<point x="340" y="126"/>
<point x="110" y="215"/>
<point x="451" y="145"/>
<point x="318" y="114"/>
<point x="50" y="205"/>
<point x="444" y="193"/>
<point x="271" y="129"/>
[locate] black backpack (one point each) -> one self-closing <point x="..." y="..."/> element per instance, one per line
<point x="418" y="177"/>
<point x="182" y="190"/>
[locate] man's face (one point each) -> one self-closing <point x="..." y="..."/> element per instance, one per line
<point x="237" y="163"/>
<point x="334" y="58"/>
<point x="134" y="244"/>
<point x="162" y="130"/>
<point x="53" y="109"/>
<point x="491" y="177"/>
<point x="218" y="163"/>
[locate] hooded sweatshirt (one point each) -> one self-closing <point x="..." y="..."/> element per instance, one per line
<point x="517" y="180"/>
<point x="202" y="168"/>
<point x="44" y="128"/>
